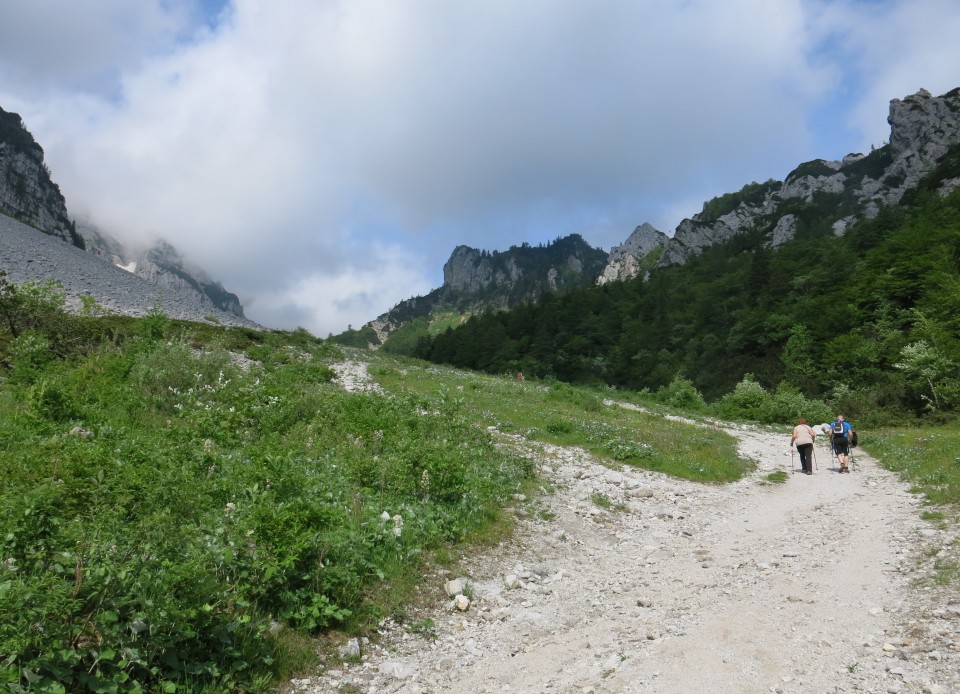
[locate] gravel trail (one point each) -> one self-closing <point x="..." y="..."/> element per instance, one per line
<point x="815" y="585"/>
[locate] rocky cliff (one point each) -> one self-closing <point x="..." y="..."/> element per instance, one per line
<point x="924" y="129"/>
<point x="162" y="265"/>
<point x="627" y="259"/>
<point x="26" y="192"/>
<point x="476" y="281"/>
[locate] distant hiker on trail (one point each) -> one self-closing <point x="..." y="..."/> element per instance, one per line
<point x="803" y="437"/>
<point x="840" y="438"/>
<point x="519" y="375"/>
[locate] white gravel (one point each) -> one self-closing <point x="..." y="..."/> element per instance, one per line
<point x="820" y="584"/>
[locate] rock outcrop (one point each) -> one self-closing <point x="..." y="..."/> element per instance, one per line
<point x="924" y="128"/>
<point x="520" y="274"/>
<point x="27" y="193"/>
<point x="626" y="259"/>
<point x="476" y="281"/>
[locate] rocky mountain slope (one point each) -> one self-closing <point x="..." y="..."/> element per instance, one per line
<point x="817" y="195"/>
<point x="923" y="129"/>
<point x="26" y="255"/>
<point x="164" y="266"/>
<point x="29" y="195"/>
<point x="475" y="281"/>
<point x="639" y="252"/>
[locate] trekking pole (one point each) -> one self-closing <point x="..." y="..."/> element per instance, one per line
<point x="815" y="465"/>
<point x="791" y="460"/>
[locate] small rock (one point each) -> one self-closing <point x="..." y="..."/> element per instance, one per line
<point x="396" y="670"/>
<point x="454" y="587"/>
<point x="351" y="649"/>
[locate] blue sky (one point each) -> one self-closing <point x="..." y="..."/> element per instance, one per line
<point x="323" y="158"/>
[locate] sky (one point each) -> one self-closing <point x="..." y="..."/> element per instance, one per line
<point x="323" y="158"/>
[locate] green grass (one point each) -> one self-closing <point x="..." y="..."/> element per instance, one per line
<point x="606" y="503"/>
<point x="927" y="457"/>
<point x="776" y="477"/>
<point x="569" y="416"/>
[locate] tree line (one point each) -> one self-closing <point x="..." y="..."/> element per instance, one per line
<point x="869" y="320"/>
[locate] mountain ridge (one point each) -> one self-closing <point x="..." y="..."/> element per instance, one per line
<point x="476" y="281"/>
<point x="839" y="282"/>
<point x="851" y="189"/>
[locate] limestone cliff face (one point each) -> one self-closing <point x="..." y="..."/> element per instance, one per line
<point x="923" y="129"/>
<point x="625" y="260"/>
<point x="517" y="273"/>
<point x="26" y="192"/>
<point x="475" y="281"/>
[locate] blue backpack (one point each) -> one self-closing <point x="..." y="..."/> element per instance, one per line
<point x="838" y="431"/>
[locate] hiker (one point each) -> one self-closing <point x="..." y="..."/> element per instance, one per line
<point x="803" y="437"/>
<point x="840" y="438"/>
<point x="519" y="375"/>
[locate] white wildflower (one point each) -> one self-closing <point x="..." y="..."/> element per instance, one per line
<point x="397" y="525"/>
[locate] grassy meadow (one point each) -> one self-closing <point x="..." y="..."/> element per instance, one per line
<point x="191" y="508"/>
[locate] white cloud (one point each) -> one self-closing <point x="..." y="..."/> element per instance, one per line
<point x="890" y="50"/>
<point x="319" y="301"/>
<point x="270" y="147"/>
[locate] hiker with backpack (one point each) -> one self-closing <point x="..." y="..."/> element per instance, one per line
<point x="803" y="437"/>
<point x="840" y="432"/>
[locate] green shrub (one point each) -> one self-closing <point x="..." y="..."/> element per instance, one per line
<point x="201" y="502"/>
<point x="751" y="401"/>
<point x="681" y="393"/>
<point x="29" y="352"/>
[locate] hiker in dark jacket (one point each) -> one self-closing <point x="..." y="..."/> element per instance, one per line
<point x="840" y="438"/>
<point x="803" y="437"/>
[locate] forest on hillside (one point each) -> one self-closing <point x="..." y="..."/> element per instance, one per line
<point x="868" y="321"/>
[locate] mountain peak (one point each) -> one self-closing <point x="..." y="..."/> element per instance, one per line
<point x="626" y="261"/>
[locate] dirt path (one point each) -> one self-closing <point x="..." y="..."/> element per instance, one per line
<point x="806" y="586"/>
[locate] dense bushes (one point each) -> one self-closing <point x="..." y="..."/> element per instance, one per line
<point x="169" y="516"/>
<point x="751" y="401"/>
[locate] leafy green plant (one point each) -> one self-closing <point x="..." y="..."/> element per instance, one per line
<point x="201" y="503"/>
<point x="681" y="394"/>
